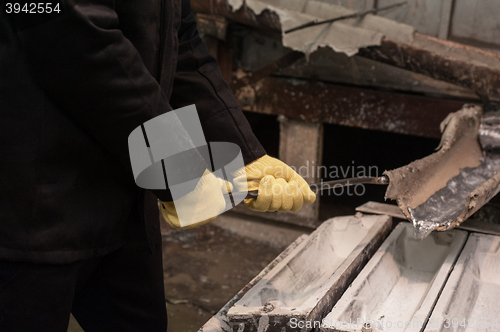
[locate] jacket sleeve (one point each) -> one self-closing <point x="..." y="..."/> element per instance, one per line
<point x="199" y="81"/>
<point x="91" y="71"/>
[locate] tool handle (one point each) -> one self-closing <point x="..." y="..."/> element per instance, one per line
<point x="252" y="194"/>
<point x="318" y="187"/>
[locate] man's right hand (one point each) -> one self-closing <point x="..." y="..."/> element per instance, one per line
<point x="280" y="187"/>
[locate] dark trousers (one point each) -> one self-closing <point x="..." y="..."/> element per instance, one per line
<point x="121" y="291"/>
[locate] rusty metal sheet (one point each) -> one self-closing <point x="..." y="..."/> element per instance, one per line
<point x="349" y="106"/>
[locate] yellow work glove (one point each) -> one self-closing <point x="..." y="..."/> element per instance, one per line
<point x="202" y="202"/>
<point x="280" y="187"/>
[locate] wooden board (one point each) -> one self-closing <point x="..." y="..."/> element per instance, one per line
<point x="350" y="106"/>
<point x="303" y="157"/>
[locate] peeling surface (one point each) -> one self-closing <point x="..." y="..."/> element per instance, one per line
<point x="346" y="36"/>
<point x="420" y="188"/>
<point x="399" y="284"/>
<point x="442" y="190"/>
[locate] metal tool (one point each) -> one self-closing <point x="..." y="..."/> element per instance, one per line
<point x="318" y="187"/>
<point x="358" y="14"/>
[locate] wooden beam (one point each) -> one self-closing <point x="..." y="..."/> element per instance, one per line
<point x="467" y="66"/>
<point x="350" y="106"/>
<point x="301" y="146"/>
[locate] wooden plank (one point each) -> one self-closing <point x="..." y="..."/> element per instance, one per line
<point x="350" y="106"/>
<point x="301" y="146"/>
<point x="475" y="69"/>
<point x="329" y="66"/>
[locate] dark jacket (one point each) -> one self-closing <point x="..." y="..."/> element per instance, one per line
<point x="72" y="88"/>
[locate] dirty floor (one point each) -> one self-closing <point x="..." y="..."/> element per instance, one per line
<point x="206" y="266"/>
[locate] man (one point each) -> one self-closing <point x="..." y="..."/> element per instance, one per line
<point x="76" y="233"/>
